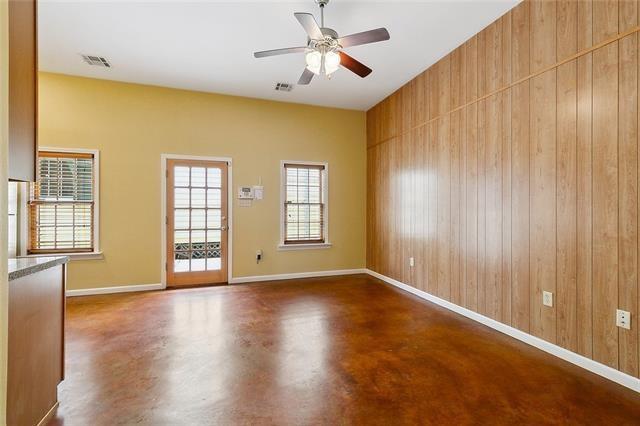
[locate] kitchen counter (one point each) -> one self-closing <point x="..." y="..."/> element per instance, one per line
<point x="22" y="266"/>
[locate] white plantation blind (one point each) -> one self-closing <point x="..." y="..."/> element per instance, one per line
<point x="304" y="204"/>
<point x="61" y="205"/>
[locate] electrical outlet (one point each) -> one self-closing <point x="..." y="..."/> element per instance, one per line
<point x="258" y="256"/>
<point x="412" y="262"/>
<point x="623" y="319"/>
<point x="547" y="298"/>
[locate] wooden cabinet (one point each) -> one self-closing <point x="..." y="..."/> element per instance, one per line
<point x="36" y="345"/>
<point x="23" y="90"/>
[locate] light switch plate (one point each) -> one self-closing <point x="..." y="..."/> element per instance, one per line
<point x="412" y="262"/>
<point x="623" y="319"/>
<point x="547" y="298"/>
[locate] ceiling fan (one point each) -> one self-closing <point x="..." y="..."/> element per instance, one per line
<point x="324" y="49"/>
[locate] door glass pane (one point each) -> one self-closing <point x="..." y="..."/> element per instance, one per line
<point x="181" y="219"/>
<point x="197" y="219"/>
<point x="181" y="240"/>
<point x="181" y="176"/>
<point x="181" y="198"/>
<point x="213" y="218"/>
<point x="197" y="176"/>
<point x="214" y="198"/>
<point x="181" y="261"/>
<point x="181" y="254"/>
<point x="197" y="240"/>
<point x="213" y="239"/>
<point x="198" y="261"/>
<point x="197" y="198"/>
<point x="214" y="263"/>
<point x="213" y="250"/>
<point x="214" y="177"/>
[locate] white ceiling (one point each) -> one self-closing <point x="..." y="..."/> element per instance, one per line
<point x="208" y="46"/>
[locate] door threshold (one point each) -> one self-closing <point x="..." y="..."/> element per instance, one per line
<point x="179" y="287"/>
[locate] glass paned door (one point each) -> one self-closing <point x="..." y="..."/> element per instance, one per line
<point x="196" y="222"/>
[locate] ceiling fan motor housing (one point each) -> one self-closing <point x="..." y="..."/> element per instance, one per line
<point x="329" y="42"/>
<point x="329" y="32"/>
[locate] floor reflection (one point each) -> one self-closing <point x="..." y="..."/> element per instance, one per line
<point x="326" y="351"/>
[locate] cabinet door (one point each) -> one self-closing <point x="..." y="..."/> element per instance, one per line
<point x="36" y="345"/>
<point x="23" y="76"/>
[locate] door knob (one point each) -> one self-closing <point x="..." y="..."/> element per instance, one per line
<point x="223" y="228"/>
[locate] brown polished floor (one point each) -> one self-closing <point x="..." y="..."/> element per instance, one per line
<point x="335" y="351"/>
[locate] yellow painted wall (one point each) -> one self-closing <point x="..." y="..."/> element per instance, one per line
<point x="133" y="124"/>
<point x="4" y="290"/>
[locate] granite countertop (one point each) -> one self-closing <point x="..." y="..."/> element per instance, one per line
<point x="23" y="266"/>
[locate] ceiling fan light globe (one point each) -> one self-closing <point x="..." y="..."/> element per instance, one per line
<point x="314" y="61"/>
<point x="331" y="62"/>
<point x="316" y="71"/>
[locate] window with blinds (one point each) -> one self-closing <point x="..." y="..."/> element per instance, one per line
<point x="61" y="203"/>
<point x="304" y="204"/>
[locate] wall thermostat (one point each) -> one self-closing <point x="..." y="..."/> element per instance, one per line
<point x="245" y="193"/>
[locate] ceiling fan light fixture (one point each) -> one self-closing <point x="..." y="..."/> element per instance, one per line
<point x="314" y="61"/>
<point x="331" y="62"/>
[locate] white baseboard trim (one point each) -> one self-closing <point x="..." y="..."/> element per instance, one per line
<point x="572" y="357"/>
<point x="235" y="280"/>
<point x="255" y="278"/>
<point x="114" y="289"/>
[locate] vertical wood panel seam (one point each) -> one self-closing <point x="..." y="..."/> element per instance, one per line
<point x="556" y="305"/>
<point x="618" y="243"/>
<point x="450" y="186"/>
<point x="556" y="147"/>
<point x="577" y="347"/>
<point x="529" y="84"/>
<point x="592" y="191"/>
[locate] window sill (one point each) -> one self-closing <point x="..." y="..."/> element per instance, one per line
<point x="95" y="255"/>
<point x="311" y="246"/>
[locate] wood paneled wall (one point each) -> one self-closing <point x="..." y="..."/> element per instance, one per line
<point x="510" y="167"/>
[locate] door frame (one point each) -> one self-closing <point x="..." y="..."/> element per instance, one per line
<point x="163" y="210"/>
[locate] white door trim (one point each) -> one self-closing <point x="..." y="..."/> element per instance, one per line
<point x="163" y="210"/>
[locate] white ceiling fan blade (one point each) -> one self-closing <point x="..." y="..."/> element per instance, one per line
<point x="274" y="52"/>
<point x="310" y="25"/>
<point x="371" y="36"/>
<point x="306" y="77"/>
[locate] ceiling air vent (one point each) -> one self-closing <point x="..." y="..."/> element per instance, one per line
<point x="284" y="87"/>
<point x="98" y="61"/>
